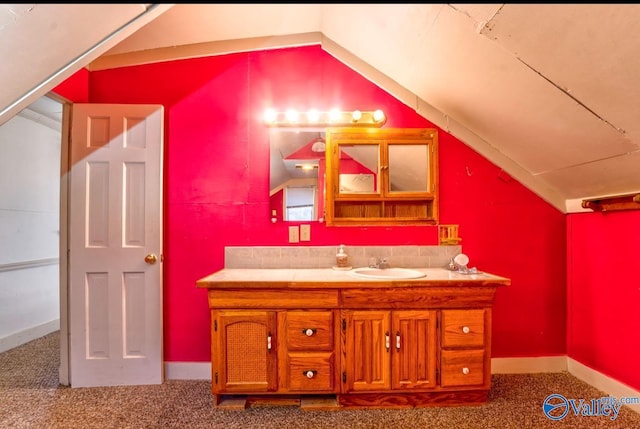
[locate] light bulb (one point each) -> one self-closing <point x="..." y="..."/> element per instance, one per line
<point x="292" y="115"/>
<point x="313" y="115"/>
<point x="270" y="116"/>
<point x="334" y="115"/>
<point x="378" y="115"/>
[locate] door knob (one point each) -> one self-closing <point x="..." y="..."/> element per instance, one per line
<point x="150" y="259"/>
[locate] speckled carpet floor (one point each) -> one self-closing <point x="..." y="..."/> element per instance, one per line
<point x="30" y="397"/>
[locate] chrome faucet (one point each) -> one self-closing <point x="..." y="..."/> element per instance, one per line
<point x="452" y="265"/>
<point x="377" y="262"/>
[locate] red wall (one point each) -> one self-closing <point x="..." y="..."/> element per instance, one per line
<point x="604" y="293"/>
<point x="217" y="190"/>
<point x="75" y="88"/>
<point x="277" y="203"/>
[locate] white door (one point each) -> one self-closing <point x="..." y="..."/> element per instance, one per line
<point x="115" y="242"/>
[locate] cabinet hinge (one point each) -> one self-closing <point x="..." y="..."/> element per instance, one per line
<point x="215" y="326"/>
<point x="344" y="377"/>
<point x="216" y="377"/>
<point x="344" y="324"/>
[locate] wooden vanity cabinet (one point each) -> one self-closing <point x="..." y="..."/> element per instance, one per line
<point x="273" y="352"/>
<point x="466" y="356"/>
<point x="389" y="350"/>
<point x="414" y="347"/>
<point x="351" y="344"/>
<point x="243" y="351"/>
<point x="307" y="362"/>
<point x="367" y="362"/>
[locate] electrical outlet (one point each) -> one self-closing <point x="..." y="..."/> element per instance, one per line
<point x="305" y="232"/>
<point x="294" y="234"/>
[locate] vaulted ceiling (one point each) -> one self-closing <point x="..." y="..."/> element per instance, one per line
<point x="549" y="93"/>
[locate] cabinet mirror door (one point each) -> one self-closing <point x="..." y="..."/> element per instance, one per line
<point x="358" y="169"/>
<point x="408" y="168"/>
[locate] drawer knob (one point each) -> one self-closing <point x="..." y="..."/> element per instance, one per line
<point x="465" y="370"/>
<point x="310" y="373"/>
<point x="309" y="332"/>
<point x="465" y="329"/>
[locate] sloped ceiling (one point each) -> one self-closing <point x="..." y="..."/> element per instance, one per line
<point x="547" y="92"/>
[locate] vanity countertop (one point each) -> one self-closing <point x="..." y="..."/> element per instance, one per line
<point x="327" y="278"/>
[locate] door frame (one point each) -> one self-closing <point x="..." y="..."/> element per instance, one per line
<point x="65" y="131"/>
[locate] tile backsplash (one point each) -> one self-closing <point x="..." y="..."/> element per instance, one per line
<point x="325" y="256"/>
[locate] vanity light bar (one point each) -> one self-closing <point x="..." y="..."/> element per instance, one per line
<point x="332" y="118"/>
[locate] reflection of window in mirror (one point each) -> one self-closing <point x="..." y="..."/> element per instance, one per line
<point x="300" y="203"/>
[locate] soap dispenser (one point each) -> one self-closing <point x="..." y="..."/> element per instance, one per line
<point x="342" y="260"/>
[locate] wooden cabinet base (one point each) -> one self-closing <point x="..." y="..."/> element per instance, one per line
<point x="355" y="401"/>
<point x="413" y="399"/>
<point x="305" y="402"/>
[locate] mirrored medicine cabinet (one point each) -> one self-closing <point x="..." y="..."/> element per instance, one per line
<point x="381" y="176"/>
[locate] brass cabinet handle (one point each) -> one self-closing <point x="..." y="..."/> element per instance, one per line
<point x="466" y="330"/>
<point x="309" y="332"/>
<point x="398" y="340"/>
<point x="387" y="341"/>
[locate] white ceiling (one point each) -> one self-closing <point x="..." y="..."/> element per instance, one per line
<point x="549" y="93"/>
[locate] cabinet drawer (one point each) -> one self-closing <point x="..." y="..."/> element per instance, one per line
<point x="264" y="299"/>
<point x="463" y="328"/>
<point x="310" y="330"/>
<point x="462" y="368"/>
<point x="312" y="372"/>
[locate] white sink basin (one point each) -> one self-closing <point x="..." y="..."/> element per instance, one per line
<point x="387" y="273"/>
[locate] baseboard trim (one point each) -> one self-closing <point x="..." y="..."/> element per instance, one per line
<point x="527" y="365"/>
<point x="22" y="337"/>
<point x="187" y="370"/>
<point x="602" y="382"/>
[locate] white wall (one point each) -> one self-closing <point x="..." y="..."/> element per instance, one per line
<point x="29" y="228"/>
